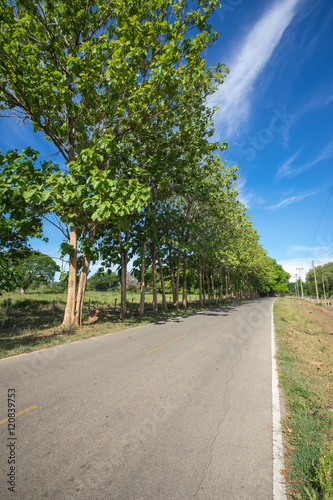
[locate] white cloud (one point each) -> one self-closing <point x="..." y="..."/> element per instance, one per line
<point x="321" y="99"/>
<point x="329" y="100"/>
<point x="291" y="267"/>
<point x="296" y="249"/>
<point x="289" y="170"/>
<point x="304" y="256"/>
<point x="234" y="96"/>
<point x="247" y="196"/>
<point x="292" y="199"/>
<point x="286" y="167"/>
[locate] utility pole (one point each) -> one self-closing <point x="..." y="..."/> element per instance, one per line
<point x="300" y="277"/>
<point x="296" y="287"/>
<point x="314" y="273"/>
<point x="322" y="277"/>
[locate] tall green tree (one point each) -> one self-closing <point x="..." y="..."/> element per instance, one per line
<point x="324" y="275"/>
<point x="13" y="248"/>
<point x="18" y="220"/>
<point x="94" y="77"/>
<point x="281" y="279"/>
<point x="103" y="281"/>
<point x="35" y="268"/>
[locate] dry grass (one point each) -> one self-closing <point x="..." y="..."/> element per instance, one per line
<point x="308" y="332"/>
<point x="305" y="339"/>
<point x="34" y="320"/>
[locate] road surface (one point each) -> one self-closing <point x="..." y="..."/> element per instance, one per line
<point x="178" y="410"/>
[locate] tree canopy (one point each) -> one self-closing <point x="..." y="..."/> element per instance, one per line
<point x="13" y="248"/>
<point x="103" y="281"/>
<point x="35" y="268"/>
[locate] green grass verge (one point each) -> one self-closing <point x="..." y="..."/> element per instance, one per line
<point x="305" y="360"/>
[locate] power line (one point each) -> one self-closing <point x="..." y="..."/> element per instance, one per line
<point x="321" y="218"/>
<point x="328" y="258"/>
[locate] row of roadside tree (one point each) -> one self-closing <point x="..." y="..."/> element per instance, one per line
<point x="121" y="89"/>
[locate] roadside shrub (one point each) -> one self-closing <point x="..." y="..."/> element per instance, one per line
<point x="323" y="479"/>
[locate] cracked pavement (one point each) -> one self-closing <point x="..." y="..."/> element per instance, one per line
<point x="191" y="420"/>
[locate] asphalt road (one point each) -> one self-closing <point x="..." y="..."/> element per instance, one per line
<point x="171" y="411"/>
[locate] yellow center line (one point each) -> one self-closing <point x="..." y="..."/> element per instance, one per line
<point x="22" y="412"/>
<point x="159" y="347"/>
<point x="213" y="321"/>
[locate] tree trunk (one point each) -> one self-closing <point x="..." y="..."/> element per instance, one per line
<point x="208" y="290"/>
<point x="153" y="268"/>
<point x="123" y="287"/>
<point x="143" y="271"/>
<point x="227" y="292"/>
<point x="200" y="283"/>
<point x="142" y="279"/>
<point x="81" y="290"/>
<point x="69" y="316"/>
<point x="123" y="291"/>
<point x="176" y="301"/>
<point x="172" y="277"/>
<point x="184" y="282"/>
<point x="212" y="280"/>
<point x="164" y="299"/>
<point x="221" y="284"/>
<point x="86" y="259"/>
<point x="203" y="283"/>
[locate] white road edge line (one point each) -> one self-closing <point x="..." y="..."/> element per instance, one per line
<point x="279" y="489"/>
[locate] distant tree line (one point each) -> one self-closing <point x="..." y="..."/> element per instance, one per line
<point x="324" y="276"/>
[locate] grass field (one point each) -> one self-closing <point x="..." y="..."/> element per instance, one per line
<point x="34" y="320"/>
<point x="305" y="359"/>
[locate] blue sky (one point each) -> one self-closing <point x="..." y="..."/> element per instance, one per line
<point x="276" y="110"/>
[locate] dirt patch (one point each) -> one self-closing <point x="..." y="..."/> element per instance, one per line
<point x="320" y="314"/>
<point x="95" y="315"/>
<point x="312" y="339"/>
